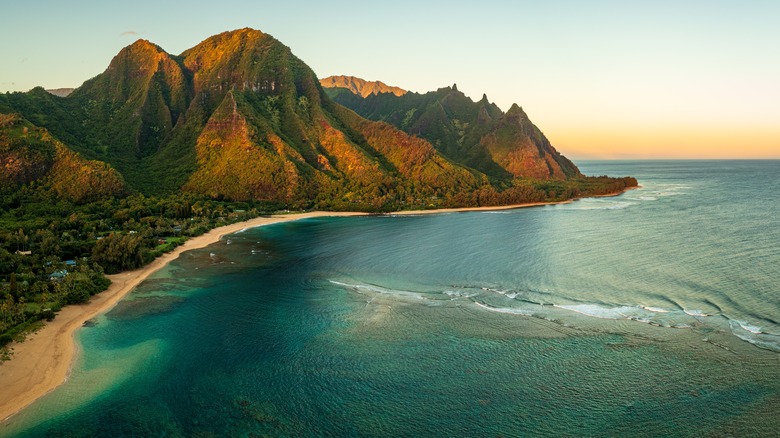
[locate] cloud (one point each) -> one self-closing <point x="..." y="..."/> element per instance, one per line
<point x="129" y="32"/>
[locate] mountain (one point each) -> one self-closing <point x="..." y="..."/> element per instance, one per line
<point x="360" y="86"/>
<point x="474" y="134"/>
<point x="61" y="92"/>
<point x="31" y="156"/>
<point x="272" y="134"/>
<point x="239" y="117"/>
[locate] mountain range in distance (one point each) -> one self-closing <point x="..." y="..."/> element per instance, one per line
<point x="360" y="87"/>
<point x="239" y="117"/>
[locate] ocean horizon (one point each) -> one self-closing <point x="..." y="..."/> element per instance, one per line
<point x="651" y="313"/>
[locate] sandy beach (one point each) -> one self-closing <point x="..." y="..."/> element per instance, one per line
<point x="44" y="360"/>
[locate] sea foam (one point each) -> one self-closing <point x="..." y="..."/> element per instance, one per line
<point x="746" y="326"/>
<point x="597" y="311"/>
<point x="507" y="310"/>
<point x="362" y="288"/>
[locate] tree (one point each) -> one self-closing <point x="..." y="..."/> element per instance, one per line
<point x="21" y="240"/>
<point x="13" y="287"/>
<point x="48" y="244"/>
<point x="303" y="103"/>
<point x="118" y="252"/>
<point x="7" y="310"/>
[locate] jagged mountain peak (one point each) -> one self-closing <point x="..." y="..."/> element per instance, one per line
<point x="130" y="69"/>
<point x="227" y="43"/>
<point x="243" y="33"/>
<point x="515" y="109"/>
<point x="476" y="134"/>
<point x="141" y="55"/>
<point x="144" y="45"/>
<point x="516" y="113"/>
<point x="247" y="59"/>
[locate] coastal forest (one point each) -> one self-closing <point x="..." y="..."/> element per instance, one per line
<point x="159" y="148"/>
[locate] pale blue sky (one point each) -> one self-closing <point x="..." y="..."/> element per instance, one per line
<point x="600" y="78"/>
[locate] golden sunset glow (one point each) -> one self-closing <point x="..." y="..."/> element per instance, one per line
<point x="677" y="142"/>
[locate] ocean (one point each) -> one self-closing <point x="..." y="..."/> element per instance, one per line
<point x="653" y="313"/>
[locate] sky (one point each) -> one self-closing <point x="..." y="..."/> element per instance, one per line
<point x="602" y="79"/>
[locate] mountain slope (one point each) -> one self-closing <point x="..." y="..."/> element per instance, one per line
<point x="135" y="104"/>
<point x="31" y="156"/>
<point x="475" y="134"/>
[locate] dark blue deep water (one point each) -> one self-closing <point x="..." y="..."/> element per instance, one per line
<point x="654" y="313"/>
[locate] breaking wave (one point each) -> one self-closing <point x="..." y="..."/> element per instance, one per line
<point x="524" y="304"/>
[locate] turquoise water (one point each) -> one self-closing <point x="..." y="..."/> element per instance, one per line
<point x="655" y="313"/>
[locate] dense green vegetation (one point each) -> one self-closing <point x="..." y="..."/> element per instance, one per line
<point x="55" y="252"/>
<point x="31" y="156"/>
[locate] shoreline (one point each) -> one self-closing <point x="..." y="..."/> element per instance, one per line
<point x="44" y="360"/>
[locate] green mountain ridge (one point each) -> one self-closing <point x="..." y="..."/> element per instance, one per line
<point x="239" y="117"/>
<point x="475" y="134"/>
